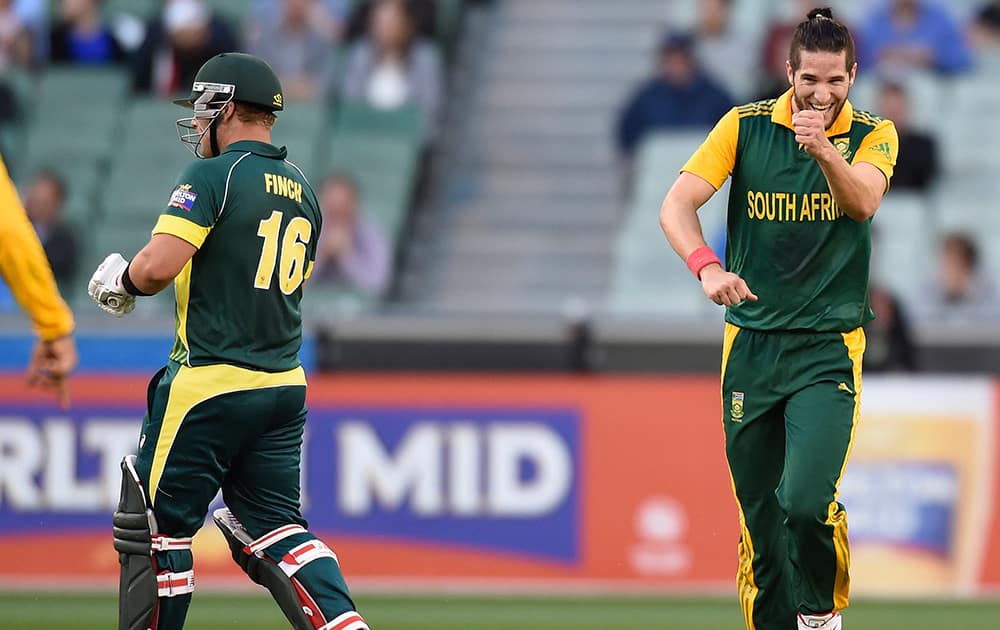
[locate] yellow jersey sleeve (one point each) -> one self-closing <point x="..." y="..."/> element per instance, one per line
<point x="26" y="269"/>
<point x="880" y="148"/>
<point x="716" y="157"/>
<point x="182" y="229"/>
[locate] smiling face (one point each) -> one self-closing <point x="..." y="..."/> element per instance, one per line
<point x="821" y="82"/>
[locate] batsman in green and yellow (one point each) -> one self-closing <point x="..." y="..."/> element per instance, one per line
<point x="808" y="174"/>
<point x="237" y="239"/>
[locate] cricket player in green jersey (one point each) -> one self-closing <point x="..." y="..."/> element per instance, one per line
<point x="237" y="239"/>
<point x="808" y="173"/>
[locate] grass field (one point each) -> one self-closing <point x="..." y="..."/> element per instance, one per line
<point x="26" y="611"/>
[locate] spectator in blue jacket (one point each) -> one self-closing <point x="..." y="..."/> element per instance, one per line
<point x="908" y="35"/>
<point x="680" y="95"/>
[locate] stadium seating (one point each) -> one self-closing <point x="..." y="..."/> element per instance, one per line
<point x="648" y="278"/>
<point x="381" y="149"/>
<point x="303" y="128"/>
<point x="145" y="166"/>
<point x="903" y="243"/>
<point x="139" y="8"/>
<point x="78" y="147"/>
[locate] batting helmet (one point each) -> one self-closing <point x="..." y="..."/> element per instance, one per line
<point x="223" y="78"/>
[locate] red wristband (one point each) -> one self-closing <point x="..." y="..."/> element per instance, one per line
<point x="701" y="257"/>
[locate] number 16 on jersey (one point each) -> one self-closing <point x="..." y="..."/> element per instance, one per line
<point x="291" y="270"/>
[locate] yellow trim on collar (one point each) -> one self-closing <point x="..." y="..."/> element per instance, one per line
<point x="782" y="115"/>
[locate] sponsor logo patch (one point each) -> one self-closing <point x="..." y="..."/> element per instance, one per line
<point x="183" y="198"/>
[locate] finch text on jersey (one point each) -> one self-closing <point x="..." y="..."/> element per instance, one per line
<point x="790" y="206"/>
<point x="284" y="186"/>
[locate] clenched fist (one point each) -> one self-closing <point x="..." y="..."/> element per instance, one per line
<point x="724" y="287"/>
<point x="810" y="130"/>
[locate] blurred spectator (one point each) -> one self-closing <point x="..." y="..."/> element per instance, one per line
<point x="44" y="205"/>
<point x="80" y="36"/>
<point x="352" y="251"/>
<point x="906" y="35"/>
<point x="392" y="67"/>
<point x="423" y="14"/>
<point x="721" y="48"/>
<point x="297" y="43"/>
<point x="961" y="291"/>
<point x="186" y="35"/>
<point x="16" y="44"/>
<point x="680" y="95"/>
<point x="890" y="346"/>
<point x="775" y="48"/>
<point x="985" y="27"/>
<point x="917" y="165"/>
<point x="336" y="11"/>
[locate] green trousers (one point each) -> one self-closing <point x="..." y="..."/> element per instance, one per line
<point x="790" y="408"/>
<point x="220" y="426"/>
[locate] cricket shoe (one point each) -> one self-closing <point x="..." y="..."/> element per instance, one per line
<point x="829" y="621"/>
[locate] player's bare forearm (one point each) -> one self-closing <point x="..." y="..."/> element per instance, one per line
<point x="679" y="213"/>
<point x="679" y="220"/>
<point x="159" y="262"/>
<point x="856" y="189"/>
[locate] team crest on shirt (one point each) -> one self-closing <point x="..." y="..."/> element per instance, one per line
<point x="843" y="146"/>
<point x="183" y="198"/>
<point x="736" y="409"/>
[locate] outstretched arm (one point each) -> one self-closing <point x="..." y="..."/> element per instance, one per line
<point x="26" y="269"/>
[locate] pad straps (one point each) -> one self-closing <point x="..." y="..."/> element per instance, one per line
<point x="173" y="584"/>
<point x="159" y="542"/>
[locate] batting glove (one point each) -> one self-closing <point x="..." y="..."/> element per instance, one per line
<point x="106" y="286"/>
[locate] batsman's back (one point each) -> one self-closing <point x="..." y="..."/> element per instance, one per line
<point x="238" y="298"/>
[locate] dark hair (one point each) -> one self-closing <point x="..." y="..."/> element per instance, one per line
<point x="821" y="33"/>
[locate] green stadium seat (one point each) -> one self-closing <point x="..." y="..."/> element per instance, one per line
<point x="302" y="128"/>
<point x="386" y="182"/>
<point x="144" y="9"/>
<point x="647" y="277"/>
<point x="145" y="166"/>
<point x="449" y="21"/>
<point x="321" y="301"/>
<point x="83" y="180"/>
<point x="22" y="85"/>
<point x="92" y="91"/>
<point x="403" y="122"/>
<point x="381" y="149"/>
<point x="82" y="141"/>
<point x="234" y="11"/>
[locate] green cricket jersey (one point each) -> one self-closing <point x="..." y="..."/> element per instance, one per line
<point x="799" y="253"/>
<point x="255" y="221"/>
